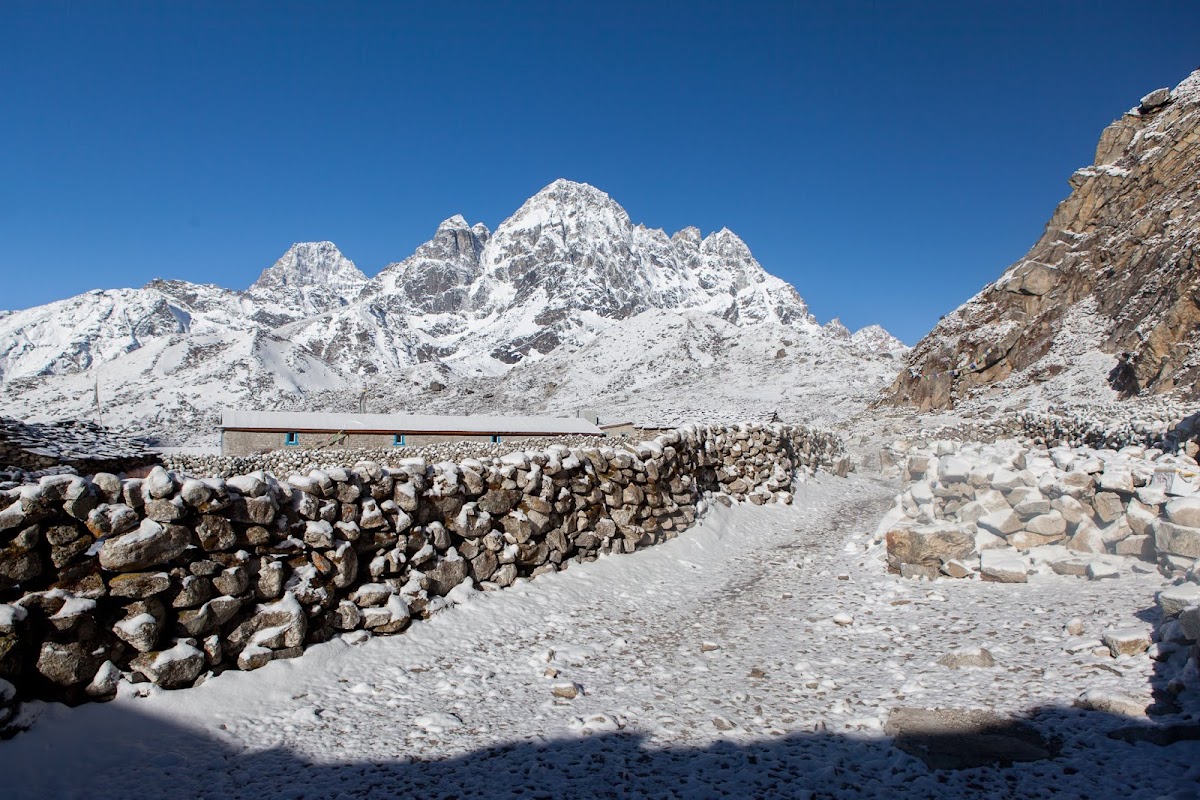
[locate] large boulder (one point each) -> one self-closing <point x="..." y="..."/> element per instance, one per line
<point x="1000" y="523"/>
<point x="928" y="545"/>
<point x="278" y="626"/>
<point x="151" y="544"/>
<point x="1176" y="540"/>
<point x="1184" y="511"/>
<point x="1175" y="599"/>
<point x="1000" y="566"/>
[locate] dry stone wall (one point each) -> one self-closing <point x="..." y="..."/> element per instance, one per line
<point x="79" y="444"/>
<point x="169" y="579"/>
<point x="1158" y="424"/>
<point x="288" y="460"/>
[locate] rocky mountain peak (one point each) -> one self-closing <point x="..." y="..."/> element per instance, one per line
<point x="689" y="237"/>
<point x="436" y="278"/>
<point x="727" y="243"/>
<point x="456" y="223"/>
<point x="875" y="339"/>
<point x="310" y="278"/>
<point x="1109" y="297"/>
<point x="565" y="210"/>
<point x="836" y="329"/>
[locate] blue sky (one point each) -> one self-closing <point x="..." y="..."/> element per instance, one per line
<point x="889" y="159"/>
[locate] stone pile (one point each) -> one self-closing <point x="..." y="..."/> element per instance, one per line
<point x="982" y="507"/>
<point x="288" y="460"/>
<point x="80" y="444"/>
<point x="169" y="579"/>
<point x="1004" y="511"/>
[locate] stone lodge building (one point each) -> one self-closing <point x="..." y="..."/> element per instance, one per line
<point x="248" y="432"/>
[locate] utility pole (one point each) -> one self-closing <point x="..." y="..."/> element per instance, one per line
<point x="96" y="396"/>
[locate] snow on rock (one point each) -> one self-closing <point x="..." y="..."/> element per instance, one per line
<point x="309" y="279"/>
<point x="173" y="668"/>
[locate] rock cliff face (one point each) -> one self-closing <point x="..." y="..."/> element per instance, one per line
<point x="1116" y="272"/>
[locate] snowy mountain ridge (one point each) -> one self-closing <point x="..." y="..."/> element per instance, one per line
<point x="503" y="318"/>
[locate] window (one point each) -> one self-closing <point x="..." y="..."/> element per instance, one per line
<point x="495" y="438"/>
<point x="292" y="439"/>
<point x="397" y="440"/>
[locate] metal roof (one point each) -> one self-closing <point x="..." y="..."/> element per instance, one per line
<point x="402" y="423"/>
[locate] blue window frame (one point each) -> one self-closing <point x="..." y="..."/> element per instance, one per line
<point x="397" y="440"/>
<point x="495" y="438"/>
<point x="292" y="439"/>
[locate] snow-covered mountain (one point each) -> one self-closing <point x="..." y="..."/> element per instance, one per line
<point x="568" y="304"/>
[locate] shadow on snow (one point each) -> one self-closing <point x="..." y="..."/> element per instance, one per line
<point x="114" y="750"/>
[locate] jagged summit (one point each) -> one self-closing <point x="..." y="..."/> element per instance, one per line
<point x="1107" y="303"/>
<point x="874" y="339"/>
<point x="836" y="329"/>
<point x="457" y="222"/>
<point x="311" y="277"/>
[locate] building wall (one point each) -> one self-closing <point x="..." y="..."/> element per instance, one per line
<point x="627" y="431"/>
<point x="245" y="443"/>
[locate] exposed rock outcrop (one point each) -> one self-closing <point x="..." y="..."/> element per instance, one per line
<point x="1115" y="272"/>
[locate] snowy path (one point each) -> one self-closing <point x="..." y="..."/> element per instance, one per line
<point x="711" y="666"/>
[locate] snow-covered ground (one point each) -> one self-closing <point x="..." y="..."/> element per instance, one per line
<point x="758" y="655"/>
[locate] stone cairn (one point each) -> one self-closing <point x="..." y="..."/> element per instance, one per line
<point x="170" y="579"/>
<point x="78" y="444"/>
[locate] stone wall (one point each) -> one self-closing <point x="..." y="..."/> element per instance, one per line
<point x="79" y="444"/>
<point x="964" y="500"/>
<point x="1006" y="511"/>
<point x="170" y="579"/>
<point x="246" y="443"/>
<point x="1002" y="512"/>
<point x="286" y="460"/>
<point x="1164" y="425"/>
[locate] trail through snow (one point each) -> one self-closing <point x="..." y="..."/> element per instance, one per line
<point x="758" y="655"/>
